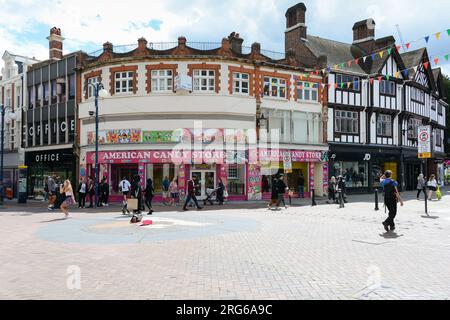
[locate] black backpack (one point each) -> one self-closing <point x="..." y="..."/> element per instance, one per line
<point x="390" y="193"/>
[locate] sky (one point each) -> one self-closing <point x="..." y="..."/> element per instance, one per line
<point x="86" y="25"/>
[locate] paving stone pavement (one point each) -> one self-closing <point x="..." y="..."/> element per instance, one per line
<point x="303" y="252"/>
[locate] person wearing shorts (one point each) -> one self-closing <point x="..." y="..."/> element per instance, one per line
<point x="125" y="187"/>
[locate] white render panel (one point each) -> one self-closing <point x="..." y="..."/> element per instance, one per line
<point x="330" y="125"/>
<point x="363" y="129"/>
<point x="373" y="128"/>
<point x="331" y="90"/>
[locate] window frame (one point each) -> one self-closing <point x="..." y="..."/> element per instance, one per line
<point x="240" y="80"/>
<point x="158" y="79"/>
<point x="381" y="120"/>
<point x="90" y="88"/>
<point x="415" y="92"/>
<point x="415" y="124"/>
<point x="309" y="89"/>
<point x="279" y="86"/>
<point x="391" y="84"/>
<point x="336" y="117"/>
<point x="355" y="79"/>
<point x="130" y="75"/>
<point x="211" y="88"/>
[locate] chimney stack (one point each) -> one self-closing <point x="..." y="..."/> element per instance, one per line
<point x="364" y="31"/>
<point x="55" y="43"/>
<point x="296" y="29"/>
<point x="236" y="42"/>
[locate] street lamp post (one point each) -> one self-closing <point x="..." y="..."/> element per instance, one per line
<point x="99" y="91"/>
<point x="11" y="116"/>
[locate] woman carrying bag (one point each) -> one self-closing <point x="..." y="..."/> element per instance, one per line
<point x="432" y="186"/>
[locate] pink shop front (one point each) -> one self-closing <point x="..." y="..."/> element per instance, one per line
<point x="242" y="178"/>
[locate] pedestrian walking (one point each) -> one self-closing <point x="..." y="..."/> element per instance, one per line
<point x="46" y="190"/>
<point x="124" y="188"/>
<point x="301" y="185"/>
<point x="66" y="189"/>
<point x="173" y="190"/>
<point x="149" y="192"/>
<point x="432" y="186"/>
<point x="165" y="190"/>
<point x="104" y="191"/>
<point x="342" y="189"/>
<point x="332" y="185"/>
<point x="391" y="198"/>
<point x="91" y="192"/>
<point x="136" y="190"/>
<point x="82" y="189"/>
<point x="220" y="192"/>
<point x="191" y="195"/>
<point x="421" y="186"/>
<point x="51" y="186"/>
<point x="274" y="194"/>
<point x="282" y="189"/>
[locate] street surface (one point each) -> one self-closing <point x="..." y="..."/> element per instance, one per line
<point x="239" y="251"/>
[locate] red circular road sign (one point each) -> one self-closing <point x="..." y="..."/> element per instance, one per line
<point x="423" y="136"/>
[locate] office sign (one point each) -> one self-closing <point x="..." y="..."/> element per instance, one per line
<point x="424" y="142"/>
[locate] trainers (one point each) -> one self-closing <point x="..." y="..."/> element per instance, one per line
<point x="185" y="209"/>
<point x="386" y="227"/>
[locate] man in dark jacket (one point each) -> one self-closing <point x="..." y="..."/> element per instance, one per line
<point x="191" y="196"/>
<point x="282" y="188"/>
<point x="149" y="192"/>
<point x="136" y="192"/>
<point x="104" y="189"/>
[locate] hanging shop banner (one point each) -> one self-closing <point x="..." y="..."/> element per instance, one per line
<point x="254" y="183"/>
<point x="287" y="162"/>
<point x="424" y="139"/>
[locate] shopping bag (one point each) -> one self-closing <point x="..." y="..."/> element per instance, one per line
<point x="438" y="193"/>
<point x="132" y="204"/>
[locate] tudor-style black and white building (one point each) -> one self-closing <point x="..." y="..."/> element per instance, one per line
<point x="424" y="105"/>
<point x="374" y="105"/>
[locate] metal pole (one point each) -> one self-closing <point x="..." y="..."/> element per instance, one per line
<point x="376" y="200"/>
<point x="97" y="87"/>
<point x="426" y="202"/>
<point x="3" y="109"/>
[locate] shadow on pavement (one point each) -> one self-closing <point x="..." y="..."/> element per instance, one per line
<point x="430" y="217"/>
<point x="54" y="220"/>
<point x="390" y="235"/>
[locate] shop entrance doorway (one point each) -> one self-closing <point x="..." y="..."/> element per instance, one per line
<point x="205" y="182"/>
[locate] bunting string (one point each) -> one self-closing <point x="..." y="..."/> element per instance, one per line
<point x="382" y="51"/>
<point x="304" y="79"/>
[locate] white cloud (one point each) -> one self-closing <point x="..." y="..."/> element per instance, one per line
<point x="91" y="23"/>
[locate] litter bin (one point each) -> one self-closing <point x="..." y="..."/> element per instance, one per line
<point x="9" y="193"/>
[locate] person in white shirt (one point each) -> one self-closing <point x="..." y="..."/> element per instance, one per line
<point x="82" y="189"/>
<point x="432" y="186"/>
<point x="124" y="187"/>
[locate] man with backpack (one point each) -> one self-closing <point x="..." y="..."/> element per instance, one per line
<point x="391" y="198"/>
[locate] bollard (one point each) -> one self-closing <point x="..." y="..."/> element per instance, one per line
<point x="376" y="200"/>
<point x="313" y="196"/>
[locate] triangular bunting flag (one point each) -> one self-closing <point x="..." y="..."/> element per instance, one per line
<point x="381" y="54"/>
<point x="373" y="57"/>
<point x="342" y="85"/>
<point x="448" y="32"/>
<point x="323" y="85"/>
<point x="425" y="65"/>
<point x="372" y="80"/>
<point x="350" y="63"/>
<point x="335" y="67"/>
<point x="335" y="85"/>
<point x="436" y="61"/>
<point x="342" y="65"/>
<point x="379" y="79"/>
<point x="406" y="73"/>
<point x="364" y="59"/>
<point x="398" y="48"/>
<point x="329" y="85"/>
<point x="427" y="38"/>
<point x="446" y="56"/>
<point x="357" y="61"/>
<point x="408" y="45"/>
<point x="396" y="75"/>
<point x="317" y="72"/>
<point x="329" y="69"/>
<point x="438" y="35"/>
<point x="389" y="51"/>
<point x="415" y="69"/>
<point x="388" y="77"/>
<point x="348" y="85"/>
